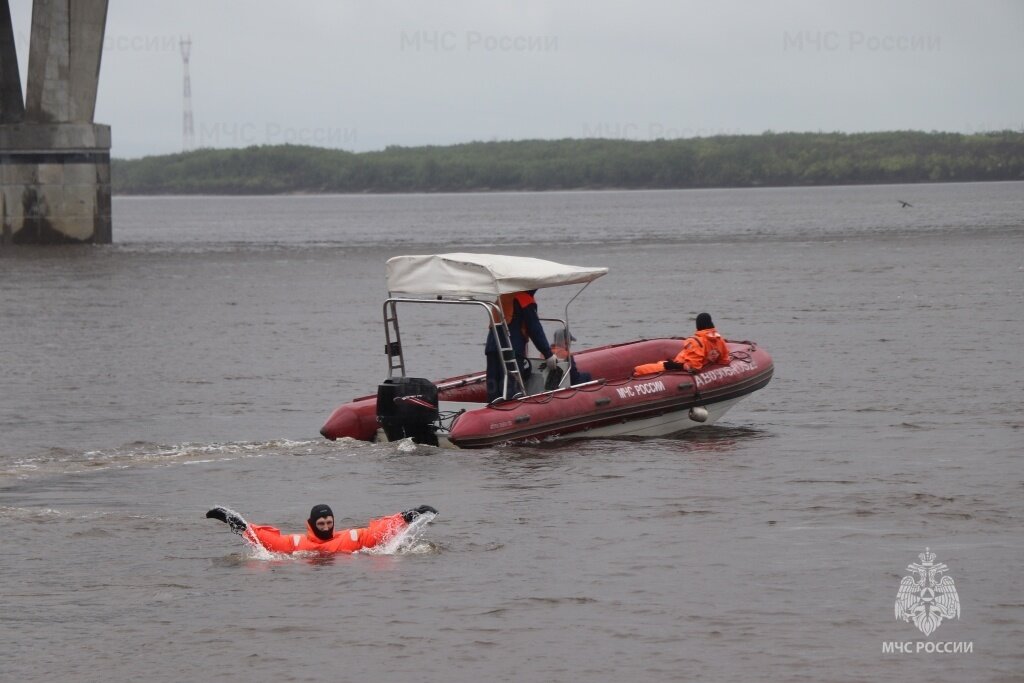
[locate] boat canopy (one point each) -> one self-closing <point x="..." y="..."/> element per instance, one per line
<point x="479" y="276"/>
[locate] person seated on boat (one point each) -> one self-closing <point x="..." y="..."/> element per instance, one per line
<point x="320" y="536"/>
<point x="561" y="351"/>
<point x="520" y="311"/>
<point x="705" y="347"/>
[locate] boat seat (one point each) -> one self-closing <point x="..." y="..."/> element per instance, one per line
<point x="536" y="383"/>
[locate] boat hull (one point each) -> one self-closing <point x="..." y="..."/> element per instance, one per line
<point x="616" y="404"/>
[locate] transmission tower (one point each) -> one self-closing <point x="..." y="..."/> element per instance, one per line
<point x="188" y="132"/>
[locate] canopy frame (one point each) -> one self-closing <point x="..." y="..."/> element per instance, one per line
<point x="480" y="280"/>
<point x="482" y="277"/>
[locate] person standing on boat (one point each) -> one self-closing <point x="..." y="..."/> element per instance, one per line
<point x="520" y="311"/>
<point x="705" y="347"/>
<point x="320" y="536"/>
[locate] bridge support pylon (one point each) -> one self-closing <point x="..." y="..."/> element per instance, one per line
<point x="54" y="160"/>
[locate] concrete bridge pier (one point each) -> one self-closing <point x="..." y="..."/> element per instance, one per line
<point x="54" y="160"/>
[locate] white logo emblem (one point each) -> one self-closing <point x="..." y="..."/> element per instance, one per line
<point x="927" y="599"/>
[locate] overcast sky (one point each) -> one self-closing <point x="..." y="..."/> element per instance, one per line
<point x="364" y="74"/>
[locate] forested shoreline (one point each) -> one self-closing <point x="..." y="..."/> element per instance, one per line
<point x="766" y="160"/>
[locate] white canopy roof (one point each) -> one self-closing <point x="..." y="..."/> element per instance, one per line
<point x="479" y="276"/>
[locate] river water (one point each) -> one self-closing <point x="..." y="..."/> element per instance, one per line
<point x="193" y="363"/>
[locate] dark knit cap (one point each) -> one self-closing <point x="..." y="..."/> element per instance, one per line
<point x="316" y="513"/>
<point x="319" y="511"/>
<point x="704" y="322"/>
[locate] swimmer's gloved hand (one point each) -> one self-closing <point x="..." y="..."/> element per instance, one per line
<point x="672" y="365"/>
<point x="232" y="519"/>
<point x="410" y="515"/>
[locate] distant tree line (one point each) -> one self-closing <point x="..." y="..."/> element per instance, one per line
<point x="769" y="159"/>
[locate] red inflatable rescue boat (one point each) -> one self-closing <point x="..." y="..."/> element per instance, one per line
<point x="455" y="411"/>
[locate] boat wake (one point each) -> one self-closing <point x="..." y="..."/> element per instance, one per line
<point x="147" y="454"/>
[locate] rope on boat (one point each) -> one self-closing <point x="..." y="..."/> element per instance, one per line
<point x="598" y="384"/>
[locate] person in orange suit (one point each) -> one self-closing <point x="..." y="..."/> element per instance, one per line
<point x="320" y="536"/>
<point x="705" y="347"/>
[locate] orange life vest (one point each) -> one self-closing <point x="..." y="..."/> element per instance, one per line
<point x="507" y="304"/>
<point x="344" y="540"/>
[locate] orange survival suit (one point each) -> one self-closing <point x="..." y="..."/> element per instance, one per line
<point x="705" y="347"/>
<point x="344" y="540"/>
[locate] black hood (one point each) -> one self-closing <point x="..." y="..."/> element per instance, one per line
<point x="316" y="513"/>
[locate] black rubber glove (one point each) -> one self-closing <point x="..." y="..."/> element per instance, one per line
<point x="672" y="365"/>
<point x="410" y="515"/>
<point x="233" y="520"/>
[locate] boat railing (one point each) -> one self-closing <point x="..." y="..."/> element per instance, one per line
<point x="497" y="327"/>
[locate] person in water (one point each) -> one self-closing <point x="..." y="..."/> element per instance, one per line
<point x="520" y="311"/>
<point x="321" y="536"/>
<point x="705" y="347"/>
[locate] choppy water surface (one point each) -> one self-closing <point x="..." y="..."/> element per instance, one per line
<point x="193" y="363"/>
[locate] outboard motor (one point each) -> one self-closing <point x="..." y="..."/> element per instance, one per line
<point x="407" y="408"/>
